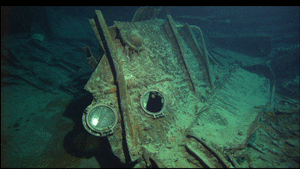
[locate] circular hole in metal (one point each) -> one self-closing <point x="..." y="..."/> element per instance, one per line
<point x="153" y="102"/>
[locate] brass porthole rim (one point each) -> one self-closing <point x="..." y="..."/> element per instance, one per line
<point x="149" y="112"/>
<point x="90" y="129"/>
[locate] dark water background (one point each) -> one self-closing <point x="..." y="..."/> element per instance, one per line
<point x="260" y="18"/>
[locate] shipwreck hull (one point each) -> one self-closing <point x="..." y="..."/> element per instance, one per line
<point x="175" y="105"/>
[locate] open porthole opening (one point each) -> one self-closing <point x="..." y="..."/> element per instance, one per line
<point x="153" y="103"/>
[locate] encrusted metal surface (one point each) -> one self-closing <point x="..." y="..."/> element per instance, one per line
<point x="161" y="55"/>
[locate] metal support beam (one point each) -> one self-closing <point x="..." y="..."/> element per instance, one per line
<point x="124" y="100"/>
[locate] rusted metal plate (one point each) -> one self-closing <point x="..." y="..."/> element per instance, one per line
<point x="160" y="60"/>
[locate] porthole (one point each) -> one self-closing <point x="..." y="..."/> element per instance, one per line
<point x="153" y="102"/>
<point x="99" y="120"/>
